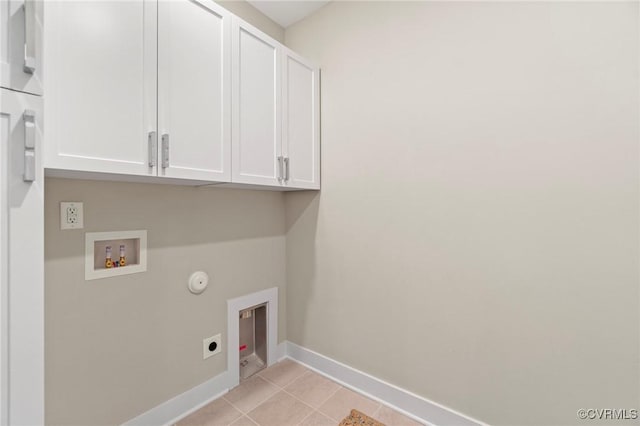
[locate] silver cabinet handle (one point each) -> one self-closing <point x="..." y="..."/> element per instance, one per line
<point x="29" y="120"/>
<point x="287" y="164"/>
<point x="165" y="150"/>
<point x="280" y="167"/>
<point x="153" y="149"/>
<point x="29" y="66"/>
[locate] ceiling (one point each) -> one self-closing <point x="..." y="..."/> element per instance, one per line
<point x="289" y="12"/>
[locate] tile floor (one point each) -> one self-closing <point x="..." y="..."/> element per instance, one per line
<point x="289" y="394"/>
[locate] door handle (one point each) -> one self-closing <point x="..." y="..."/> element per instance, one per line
<point x="153" y="149"/>
<point x="165" y="150"/>
<point x="29" y="66"/>
<point x="280" y="169"/>
<point x="29" y="121"/>
<point x="287" y="165"/>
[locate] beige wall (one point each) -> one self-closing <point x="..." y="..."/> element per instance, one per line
<point x="253" y="16"/>
<point x="117" y="347"/>
<point x="476" y="237"/>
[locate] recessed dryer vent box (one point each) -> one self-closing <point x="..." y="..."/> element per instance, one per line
<point x="134" y="248"/>
<point x="253" y="340"/>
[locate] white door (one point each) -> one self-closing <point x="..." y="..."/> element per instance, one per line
<point x="301" y="122"/>
<point x="22" y="295"/>
<point x="194" y="96"/>
<point x="21" y="45"/>
<point x="256" y="128"/>
<point x="101" y="59"/>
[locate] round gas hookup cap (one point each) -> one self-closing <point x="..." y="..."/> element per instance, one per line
<point x="198" y="282"/>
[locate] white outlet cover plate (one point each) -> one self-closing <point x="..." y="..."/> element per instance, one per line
<point x="71" y="215"/>
<point x="206" y="353"/>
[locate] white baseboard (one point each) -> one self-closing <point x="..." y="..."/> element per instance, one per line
<point x="410" y="404"/>
<point x="281" y="351"/>
<point x="187" y="402"/>
<point x="174" y="409"/>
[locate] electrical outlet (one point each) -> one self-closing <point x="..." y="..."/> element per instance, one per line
<point x="71" y="215"/>
<point x="211" y="346"/>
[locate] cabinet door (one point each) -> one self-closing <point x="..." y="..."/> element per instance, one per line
<point x="101" y="72"/>
<point x="301" y="121"/>
<point x="194" y="88"/>
<point x="22" y="271"/>
<point x="256" y="128"/>
<point x="21" y="45"/>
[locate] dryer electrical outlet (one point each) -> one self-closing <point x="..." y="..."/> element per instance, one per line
<point x="211" y="346"/>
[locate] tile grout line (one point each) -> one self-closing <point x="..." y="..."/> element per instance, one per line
<point x="258" y="404"/>
<point x="332" y="394"/>
<point x="242" y="413"/>
<point x="375" y="413"/>
<point x="233" y="405"/>
<point x="313" y="409"/>
<point x="317" y="410"/>
<point x="249" y="418"/>
<point x="379" y="405"/>
<point x="282" y="388"/>
<point x="246" y="414"/>
<point x="306" y="373"/>
<point x="309" y="372"/>
<point x="297" y="399"/>
<point x="306" y="417"/>
<point x="327" y="399"/>
<point x="278" y="388"/>
<point x="288" y="383"/>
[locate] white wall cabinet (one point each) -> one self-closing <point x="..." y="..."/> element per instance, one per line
<point x="181" y="90"/>
<point x="101" y="85"/>
<point x="301" y="121"/>
<point x="276" y="113"/>
<point x="21" y="45"/>
<point x="256" y="99"/>
<point x="21" y="259"/>
<point x="194" y="90"/>
<point x="138" y="88"/>
<point x="21" y="214"/>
